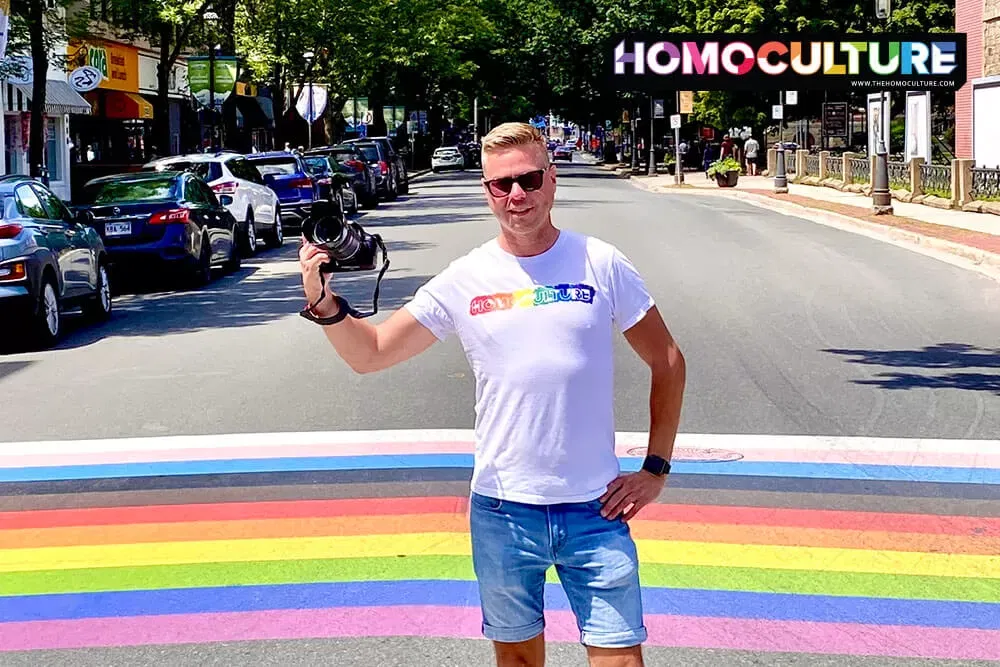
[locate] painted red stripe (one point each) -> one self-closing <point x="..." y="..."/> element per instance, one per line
<point x="714" y="514"/>
<point x="278" y="509"/>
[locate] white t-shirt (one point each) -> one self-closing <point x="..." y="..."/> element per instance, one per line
<point x="538" y="334"/>
<point x="751" y="147"/>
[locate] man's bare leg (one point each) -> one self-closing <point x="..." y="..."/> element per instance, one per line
<point x="530" y="653"/>
<point x="615" y="657"/>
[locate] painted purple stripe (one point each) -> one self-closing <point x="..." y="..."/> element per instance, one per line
<point x="464" y="622"/>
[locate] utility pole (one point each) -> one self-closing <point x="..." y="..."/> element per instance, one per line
<point x="651" y="167"/>
<point x="881" y="196"/>
<point x="475" y="119"/>
<point x="678" y="166"/>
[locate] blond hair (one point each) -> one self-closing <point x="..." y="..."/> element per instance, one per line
<point x="508" y="135"/>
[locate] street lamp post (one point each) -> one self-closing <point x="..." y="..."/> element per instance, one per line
<point x="308" y="55"/>
<point x="881" y="196"/>
<point x="211" y="18"/>
<point x="780" y="175"/>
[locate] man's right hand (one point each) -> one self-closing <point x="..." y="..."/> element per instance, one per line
<point x="313" y="281"/>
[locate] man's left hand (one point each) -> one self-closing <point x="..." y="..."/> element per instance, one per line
<point x="629" y="493"/>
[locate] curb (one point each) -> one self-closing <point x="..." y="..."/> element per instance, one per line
<point x="981" y="261"/>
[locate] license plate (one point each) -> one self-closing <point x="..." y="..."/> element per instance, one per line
<point x="118" y="228"/>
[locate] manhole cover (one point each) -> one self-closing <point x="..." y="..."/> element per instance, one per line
<point x="695" y="455"/>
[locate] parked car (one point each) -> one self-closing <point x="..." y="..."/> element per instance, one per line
<point x="392" y="164"/>
<point x="563" y="153"/>
<point x="447" y="157"/>
<point x="351" y="162"/>
<point x="163" y="221"/>
<point x="334" y="185"/>
<point x="49" y="262"/>
<point x="286" y="174"/>
<point x="472" y="152"/>
<point x="373" y="158"/>
<point x="254" y="203"/>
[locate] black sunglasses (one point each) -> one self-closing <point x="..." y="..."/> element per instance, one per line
<point x="501" y="187"/>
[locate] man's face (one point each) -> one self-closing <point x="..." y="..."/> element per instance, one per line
<point x="520" y="212"/>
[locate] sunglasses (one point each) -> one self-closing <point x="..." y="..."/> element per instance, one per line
<point x="501" y="187"/>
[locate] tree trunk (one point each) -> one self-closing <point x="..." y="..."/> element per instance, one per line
<point x="161" y="112"/>
<point x="40" y="66"/>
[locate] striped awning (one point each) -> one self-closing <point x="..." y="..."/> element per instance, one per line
<point x="60" y="98"/>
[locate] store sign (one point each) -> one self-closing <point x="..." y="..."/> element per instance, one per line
<point x="117" y="64"/>
<point x="645" y="61"/>
<point x="85" y="78"/>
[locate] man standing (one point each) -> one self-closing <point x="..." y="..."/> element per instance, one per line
<point x="534" y="309"/>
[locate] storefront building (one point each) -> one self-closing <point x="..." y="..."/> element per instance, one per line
<point x="62" y="103"/>
<point x="183" y="116"/>
<point x="977" y="135"/>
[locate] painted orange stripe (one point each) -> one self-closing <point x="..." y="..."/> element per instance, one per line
<point x="438" y="523"/>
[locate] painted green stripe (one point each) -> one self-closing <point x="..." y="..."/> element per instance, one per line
<point x="460" y="568"/>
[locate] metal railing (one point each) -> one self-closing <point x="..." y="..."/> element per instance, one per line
<point x="861" y="170"/>
<point x="899" y="176"/>
<point x="812" y="165"/>
<point x="985" y="183"/>
<point x="936" y="179"/>
<point x="834" y="167"/>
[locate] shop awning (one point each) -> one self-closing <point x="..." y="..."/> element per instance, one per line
<point x="267" y="107"/>
<point x="126" y="105"/>
<point x="60" y="98"/>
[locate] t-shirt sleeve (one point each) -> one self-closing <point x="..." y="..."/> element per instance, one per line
<point x="630" y="298"/>
<point x="428" y="306"/>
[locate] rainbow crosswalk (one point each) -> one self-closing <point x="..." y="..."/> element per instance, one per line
<point x="837" y="546"/>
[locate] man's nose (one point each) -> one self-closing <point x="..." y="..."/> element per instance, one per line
<point x="517" y="192"/>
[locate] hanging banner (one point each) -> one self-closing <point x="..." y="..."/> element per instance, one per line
<point x="654" y="62"/>
<point x="319" y="96"/>
<point x="918" y="126"/>
<point x="198" y="78"/>
<point x="687" y="101"/>
<point x="4" y="26"/>
<point x="354" y="111"/>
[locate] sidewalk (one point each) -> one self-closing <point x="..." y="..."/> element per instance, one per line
<point x="971" y="239"/>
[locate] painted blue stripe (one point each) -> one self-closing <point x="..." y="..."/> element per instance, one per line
<point x="410" y="461"/>
<point x="688" y="602"/>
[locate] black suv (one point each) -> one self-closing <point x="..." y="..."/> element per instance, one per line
<point x="393" y="163"/>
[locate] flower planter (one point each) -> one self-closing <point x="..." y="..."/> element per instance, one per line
<point x="728" y="180"/>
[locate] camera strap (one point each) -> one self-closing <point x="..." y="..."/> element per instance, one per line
<point x="345" y="308"/>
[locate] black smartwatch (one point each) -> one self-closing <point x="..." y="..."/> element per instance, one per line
<point x="656" y="465"/>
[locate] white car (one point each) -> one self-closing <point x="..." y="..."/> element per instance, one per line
<point x="254" y="204"/>
<point x="447" y="157"/>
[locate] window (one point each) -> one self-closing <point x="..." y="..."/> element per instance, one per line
<point x="245" y="170"/>
<point x="198" y="192"/>
<point x="52" y="143"/>
<point x="56" y="209"/>
<point x="118" y="192"/>
<point x="282" y="166"/>
<point x="29" y="204"/>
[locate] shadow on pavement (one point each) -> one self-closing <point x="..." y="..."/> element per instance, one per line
<point x="263" y="290"/>
<point x="940" y="356"/>
<point x="8" y="368"/>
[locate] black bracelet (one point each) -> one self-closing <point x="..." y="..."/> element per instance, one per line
<point x="344" y="311"/>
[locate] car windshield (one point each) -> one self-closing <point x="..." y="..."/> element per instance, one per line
<point x="317" y="165"/>
<point x="120" y="192"/>
<point x="342" y="156"/>
<point x="203" y="169"/>
<point x="276" y="166"/>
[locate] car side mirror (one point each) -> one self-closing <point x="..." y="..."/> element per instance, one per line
<point x="226" y="200"/>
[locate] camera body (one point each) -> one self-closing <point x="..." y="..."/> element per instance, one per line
<point x="349" y="245"/>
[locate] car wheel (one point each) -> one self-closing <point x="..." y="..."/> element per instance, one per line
<point x="98" y="307"/>
<point x="393" y="188"/>
<point x="276" y="235"/>
<point x="405" y="187"/>
<point x="47" y="323"/>
<point x="232" y="265"/>
<point x="354" y="200"/>
<point x="203" y="272"/>
<point x="251" y="237"/>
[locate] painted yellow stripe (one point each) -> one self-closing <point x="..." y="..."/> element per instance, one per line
<point x="457" y="544"/>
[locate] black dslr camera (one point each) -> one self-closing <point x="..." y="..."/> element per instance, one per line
<point x="349" y="245"/>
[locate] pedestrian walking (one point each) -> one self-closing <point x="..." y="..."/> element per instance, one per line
<point x="535" y="310"/>
<point x="752" y="148"/>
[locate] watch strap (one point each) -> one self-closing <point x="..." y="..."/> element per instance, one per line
<point x="657" y="465"/>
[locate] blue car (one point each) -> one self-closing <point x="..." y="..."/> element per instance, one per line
<point x="286" y="173"/>
<point x="164" y="221"/>
<point x="48" y="262"/>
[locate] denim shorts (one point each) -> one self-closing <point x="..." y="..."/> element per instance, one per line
<point x="513" y="544"/>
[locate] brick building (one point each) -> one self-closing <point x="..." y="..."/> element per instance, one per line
<point x="977" y="136"/>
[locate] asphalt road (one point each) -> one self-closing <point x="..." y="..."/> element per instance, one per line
<point x="300" y="545"/>
<point x="788" y="327"/>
